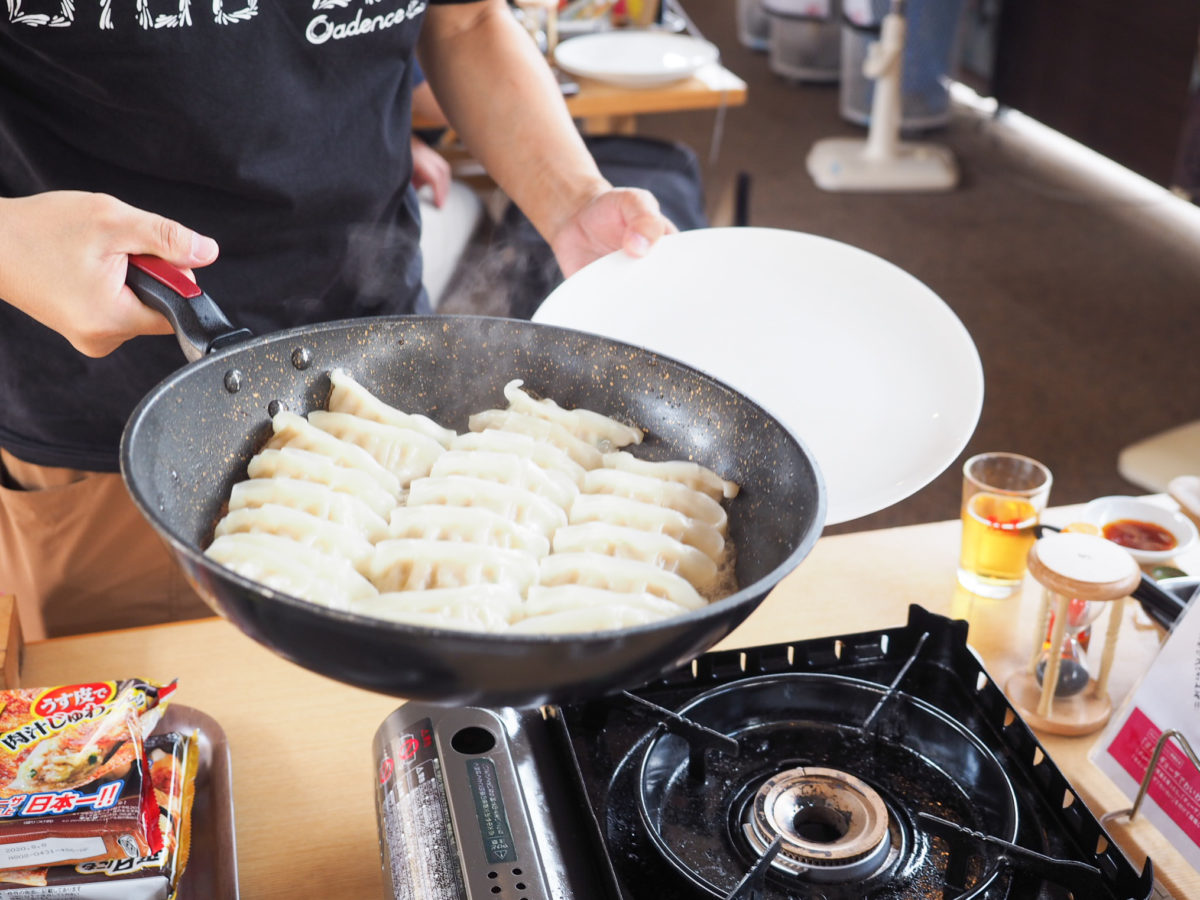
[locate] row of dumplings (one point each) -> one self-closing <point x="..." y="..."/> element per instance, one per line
<point x="534" y="520"/>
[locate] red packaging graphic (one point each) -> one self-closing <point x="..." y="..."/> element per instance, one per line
<point x="75" y="783"/>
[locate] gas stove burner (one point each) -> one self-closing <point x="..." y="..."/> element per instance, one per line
<point x="838" y="770"/>
<point x="885" y="765"/>
<point x="834" y="827"/>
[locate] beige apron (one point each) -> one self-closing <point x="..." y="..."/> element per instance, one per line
<point x="80" y="557"/>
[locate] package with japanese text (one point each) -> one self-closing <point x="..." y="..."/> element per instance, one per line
<point x="174" y="759"/>
<point x="75" y="782"/>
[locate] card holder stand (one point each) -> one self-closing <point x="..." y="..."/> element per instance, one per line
<point x="1144" y="787"/>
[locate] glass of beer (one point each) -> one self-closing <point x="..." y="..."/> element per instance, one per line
<point x="1003" y="496"/>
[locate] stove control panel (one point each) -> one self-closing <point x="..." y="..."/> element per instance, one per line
<point x="453" y="823"/>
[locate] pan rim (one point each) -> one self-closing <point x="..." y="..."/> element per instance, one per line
<point x="756" y="590"/>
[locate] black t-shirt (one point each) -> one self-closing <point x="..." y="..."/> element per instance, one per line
<point x="281" y="129"/>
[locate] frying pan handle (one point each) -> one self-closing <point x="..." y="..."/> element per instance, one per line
<point x="199" y="324"/>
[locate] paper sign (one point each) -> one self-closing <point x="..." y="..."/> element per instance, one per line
<point x="1166" y="699"/>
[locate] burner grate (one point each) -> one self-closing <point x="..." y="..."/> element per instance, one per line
<point x="808" y="720"/>
<point x="884" y="765"/>
<point x="644" y="782"/>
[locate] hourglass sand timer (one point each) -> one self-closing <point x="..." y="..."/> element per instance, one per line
<point x="1082" y="575"/>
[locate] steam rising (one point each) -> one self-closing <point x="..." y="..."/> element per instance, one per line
<point x="507" y="273"/>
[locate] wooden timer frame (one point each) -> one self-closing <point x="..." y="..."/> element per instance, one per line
<point x="1072" y="566"/>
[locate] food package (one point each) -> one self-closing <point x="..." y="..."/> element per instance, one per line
<point x="75" y="783"/>
<point x="173" y="762"/>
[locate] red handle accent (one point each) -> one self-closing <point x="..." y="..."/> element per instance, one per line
<point x="165" y="273"/>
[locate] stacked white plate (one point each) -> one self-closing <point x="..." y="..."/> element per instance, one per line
<point x="635" y="58"/>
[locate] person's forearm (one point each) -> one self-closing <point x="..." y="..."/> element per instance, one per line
<point x="503" y="101"/>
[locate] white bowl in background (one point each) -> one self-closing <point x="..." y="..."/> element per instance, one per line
<point x="1105" y="510"/>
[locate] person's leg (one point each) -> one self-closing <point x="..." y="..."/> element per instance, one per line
<point x="79" y="557"/>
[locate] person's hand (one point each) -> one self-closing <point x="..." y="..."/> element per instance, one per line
<point x="63" y="258"/>
<point x="432" y="169"/>
<point x="617" y="218"/>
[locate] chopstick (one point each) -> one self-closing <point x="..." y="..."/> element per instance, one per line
<point x="1160" y="605"/>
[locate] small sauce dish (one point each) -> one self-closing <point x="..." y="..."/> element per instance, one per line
<point x="1151" y="533"/>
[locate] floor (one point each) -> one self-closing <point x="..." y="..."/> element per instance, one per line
<point x="1081" y="294"/>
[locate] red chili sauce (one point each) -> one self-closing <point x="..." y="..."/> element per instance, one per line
<point x="1139" y="535"/>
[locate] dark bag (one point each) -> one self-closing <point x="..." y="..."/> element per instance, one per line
<point x="668" y="170"/>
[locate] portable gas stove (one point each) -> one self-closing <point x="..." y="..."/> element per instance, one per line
<point x="884" y="764"/>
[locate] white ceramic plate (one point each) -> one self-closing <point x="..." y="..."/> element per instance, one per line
<point x="634" y="58"/>
<point x="870" y="368"/>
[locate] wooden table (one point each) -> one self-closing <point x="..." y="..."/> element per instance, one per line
<point x="605" y="108"/>
<point x="301" y="744"/>
<point x="608" y="109"/>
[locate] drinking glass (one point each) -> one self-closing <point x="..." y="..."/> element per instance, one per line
<point x="1003" y="497"/>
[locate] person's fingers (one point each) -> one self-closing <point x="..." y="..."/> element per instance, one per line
<point x="178" y="245"/>
<point x="115" y="322"/>
<point x="432" y="170"/>
<point x="154" y="235"/>
<point x="441" y="187"/>
<point x="142" y="319"/>
<point x="645" y="223"/>
<point x="125" y="318"/>
<point x="159" y="236"/>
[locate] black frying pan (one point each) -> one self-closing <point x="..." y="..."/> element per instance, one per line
<point x="189" y="441"/>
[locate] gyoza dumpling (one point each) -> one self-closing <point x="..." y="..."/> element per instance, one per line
<point x="348" y="396"/>
<point x="283" y="565"/>
<point x="600" y="431"/>
<point x="292" y="430"/>
<point x="552" y="433"/>
<point x="626" y="575"/>
<point x="542" y="600"/>
<point x="521" y="506"/>
<point x="310" y="497"/>
<point x="405" y="453"/>
<point x="692" y="504"/>
<point x="304" y="528"/>
<point x="472" y="524"/>
<point x="549" y="457"/>
<point x="586" y="619"/>
<point x="629" y="543"/>
<point x="481" y="607"/>
<point x="647" y="517"/>
<point x="510" y="469"/>
<point x="694" y="475"/>
<point x="291" y="462"/>
<point x="414" y="565"/>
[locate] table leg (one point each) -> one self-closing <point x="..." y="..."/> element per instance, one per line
<point x="609" y="125"/>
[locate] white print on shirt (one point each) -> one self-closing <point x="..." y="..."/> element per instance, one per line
<point x="228" y="18"/>
<point x="322" y="28"/>
<point x="64" y="17"/>
<point x="179" y="19"/>
<point x="147" y="20"/>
